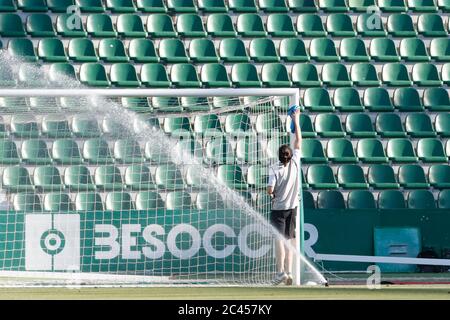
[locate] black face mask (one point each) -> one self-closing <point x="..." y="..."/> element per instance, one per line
<point x="284" y="155"/>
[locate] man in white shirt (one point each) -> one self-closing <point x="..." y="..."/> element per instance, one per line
<point x="284" y="189"/>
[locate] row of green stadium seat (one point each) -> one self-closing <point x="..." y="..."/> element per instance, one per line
<point x="221" y="25"/>
<point x="388" y="199"/>
<point x="181" y="6"/>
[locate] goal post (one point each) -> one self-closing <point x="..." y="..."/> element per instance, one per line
<point x="224" y="240"/>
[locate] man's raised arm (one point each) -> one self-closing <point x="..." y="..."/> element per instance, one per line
<point x="298" y="134"/>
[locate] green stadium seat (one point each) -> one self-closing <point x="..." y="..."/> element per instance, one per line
<point x="169" y="177"/>
<point x="184" y="75"/>
<point x="421" y="199"/>
<point x="359" y="125"/>
<point x="257" y="176"/>
<point x="42" y="103"/>
<point x="302" y="5"/>
<point x="100" y="25"/>
<point x="439" y="176"/>
<point x="353" y="49"/>
<point x="425" y="75"/>
<point x="214" y="75"/>
<point x="51" y="50"/>
<point x="220" y="25"/>
<point x="142" y="51"/>
<point x="172" y="51"/>
<point x="180" y="125"/>
<point x="32" y="5"/>
<point x="193" y="104"/>
<point x="310" y="25"/>
<point x="245" y="75"/>
<point x="112" y="50"/>
<point x="308" y="200"/>
<point x="371" y="151"/>
<point x="323" y="49"/>
<point x="59" y="5"/>
<point x="8" y="152"/>
<point x="202" y="50"/>
<point x="130" y="25"/>
<point x="389" y="125"/>
<point x="280" y="25"/>
<point x="273" y="6"/>
<point x="431" y="25"/>
<point x="66" y="26"/>
<point x="57" y="202"/>
<point x="88" y="201"/>
<point x="412" y="176"/>
<point x="391" y="199"/>
<point x="151" y="6"/>
<point x="351" y="176"/>
<point x="40" y="25"/>
<point x="127" y="151"/>
<point x="66" y="151"/>
<point x="307" y="127"/>
<point x="108" y="178"/>
<point x="407" y="99"/>
<point x="26" y="202"/>
<point x="154" y="75"/>
<point x="118" y="201"/>
<point x="178" y="200"/>
<point x="96" y="151"/>
<point x="440" y="49"/>
<point x="431" y="150"/>
<point x="436" y="99"/>
<point x="442" y="124"/>
<point x="138" y="177"/>
<point x="333" y="5"/>
<point x="23" y="49"/>
<point x="383" y="49"/>
<point x="34" y="151"/>
<point x="11" y="25"/>
<point x="120" y="6"/>
<point x="232" y="177"/>
<point x="413" y="49"/>
<point x="58" y="71"/>
<point x="238" y="124"/>
<point x="85" y="127"/>
<point x="31" y="75"/>
<point x="400" y="25"/>
<point x="55" y="126"/>
<point x="341" y="151"/>
<point x="335" y="75"/>
<point x="47" y="178"/>
<point x="209" y="201"/>
<point x="190" y="25"/>
<point x="16" y="179"/>
<point x="396" y="75"/>
<point x="444" y="199"/>
<point x="419" y="125"/>
<point x="312" y="152"/>
<point x="24" y="126"/>
<point x="392" y="5"/>
<point x="275" y="75"/>
<point x="382" y="176"/>
<point x="159" y="25"/>
<point x="269" y="124"/>
<point x="293" y="50"/>
<point x="444" y="5"/>
<point x="124" y="75"/>
<point x="90" y="5"/>
<point x="272" y="147"/>
<point x="445" y="73"/>
<point x="82" y="50"/>
<point x="377" y="100"/>
<point x="317" y="100"/>
<point x="149" y="200"/>
<point x="78" y="178"/>
<point x="422" y="5"/>
<point x="306" y="75"/>
<point x="219" y="151"/>
<point x="207" y="125"/>
<point x="94" y="74"/>
<point x="263" y="50"/>
<point x="181" y="6"/>
<point x="361" y="199"/>
<point x="248" y="150"/>
<point x="137" y="104"/>
<point x="7" y="76"/>
<point x="401" y="150"/>
<point x="364" y="75"/>
<point x="328" y="125"/>
<point x="330" y="199"/>
<point x="233" y="50"/>
<point x="250" y="25"/>
<point x="320" y="176"/>
<point x="13" y="104"/>
<point x="8" y="6"/>
<point x="208" y="6"/>
<point x="242" y="5"/>
<point x="340" y="25"/>
<point x="370" y="25"/>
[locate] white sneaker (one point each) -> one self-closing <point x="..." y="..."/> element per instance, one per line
<point x="289" y="279"/>
<point x="280" y="278"/>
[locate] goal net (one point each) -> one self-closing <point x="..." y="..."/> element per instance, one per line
<point x="141" y="186"/>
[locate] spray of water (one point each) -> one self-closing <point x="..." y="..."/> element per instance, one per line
<point x="132" y="125"/>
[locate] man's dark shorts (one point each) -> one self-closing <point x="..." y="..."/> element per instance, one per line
<point x="284" y="222"/>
